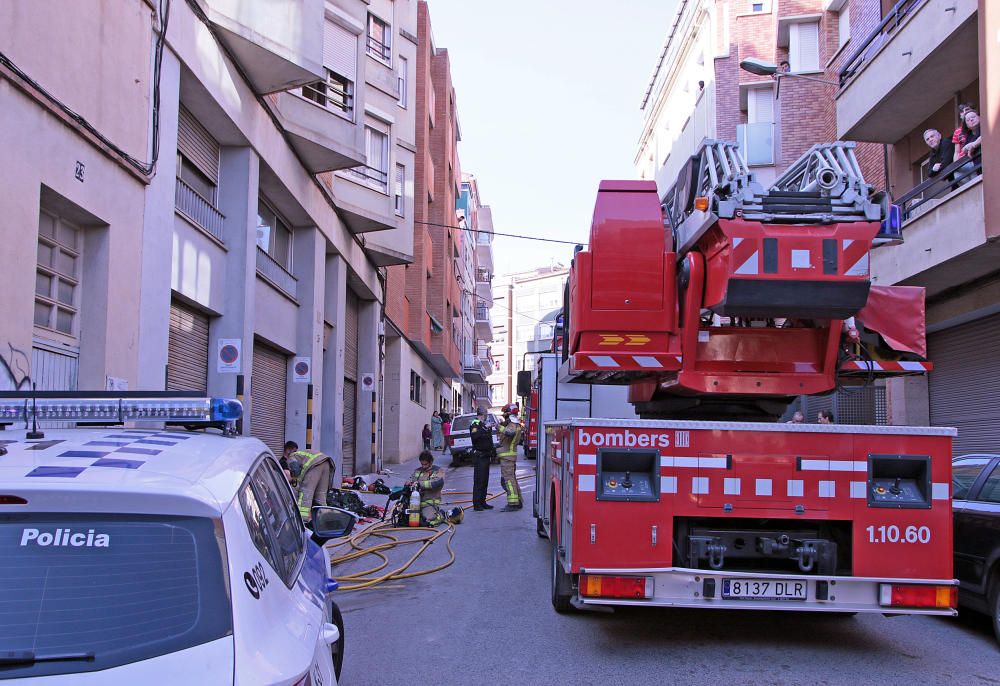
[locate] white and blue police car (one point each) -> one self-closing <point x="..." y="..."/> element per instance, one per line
<point x="136" y="553"/>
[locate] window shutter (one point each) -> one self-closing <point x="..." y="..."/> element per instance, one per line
<point x="198" y="146"/>
<point x="760" y="106"/>
<point x="844" y="25"/>
<point x="340" y="50"/>
<point x="804" y="46"/>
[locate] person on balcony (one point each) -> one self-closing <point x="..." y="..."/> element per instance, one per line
<point x="942" y="152"/>
<point x="968" y="138"/>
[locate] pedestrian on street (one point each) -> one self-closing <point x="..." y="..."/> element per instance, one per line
<point x="426" y="435"/>
<point x="429" y="480"/>
<point x="825" y="417"/>
<point x="446" y="431"/>
<point x="437" y="436"/>
<point x="290" y="447"/>
<point x="510" y="436"/>
<point x="313" y="472"/>
<point x="482" y="444"/>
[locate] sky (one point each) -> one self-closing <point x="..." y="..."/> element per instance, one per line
<point x="548" y="95"/>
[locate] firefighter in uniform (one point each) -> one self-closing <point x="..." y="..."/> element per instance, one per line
<point x="510" y="436"/>
<point x="482" y="443"/>
<point x="312" y="472"/>
<point x="429" y="478"/>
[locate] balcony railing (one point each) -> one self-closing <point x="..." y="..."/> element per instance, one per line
<point x="334" y="93"/>
<point x="947" y="180"/>
<point x="269" y="268"/>
<point x="371" y="176"/>
<point x="483" y="276"/>
<point x="482" y="390"/>
<point x="879" y="36"/>
<point x="482" y="314"/>
<point x="198" y="210"/>
<point x="757" y="142"/>
<point x="377" y="48"/>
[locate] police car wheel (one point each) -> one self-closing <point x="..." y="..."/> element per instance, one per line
<point x="337" y="648"/>
<point x="995" y="607"/>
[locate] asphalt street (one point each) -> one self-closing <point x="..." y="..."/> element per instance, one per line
<point x="487" y="619"/>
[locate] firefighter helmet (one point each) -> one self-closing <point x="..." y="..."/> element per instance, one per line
<point x="511" y="408"/>
<point x="455" y="515"/>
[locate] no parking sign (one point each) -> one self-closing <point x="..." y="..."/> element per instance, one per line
<point x="228" y="359"/>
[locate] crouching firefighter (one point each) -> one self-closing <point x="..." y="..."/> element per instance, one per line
<point x="429" y="479"/>
<point x="312" y="472"/>
<point x="510" y="436"/>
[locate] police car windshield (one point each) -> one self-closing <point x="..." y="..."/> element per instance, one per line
<point x="462" y="423"/>
<point x="115" y="587"/>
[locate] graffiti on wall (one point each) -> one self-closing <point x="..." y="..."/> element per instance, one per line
<point x="14" y="369"/>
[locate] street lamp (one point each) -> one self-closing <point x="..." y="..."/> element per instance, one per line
<point x="762" y="68"/>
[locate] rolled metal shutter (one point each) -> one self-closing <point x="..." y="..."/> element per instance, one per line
<point x="350" y="412"/>
<point x="351" y="336"/>
<point x="267" y="396"/>
<point x="340" y="50"/>
<point x="197" y="145"/>
<point x="187" y="349"/>
<point x="964" y="384"/>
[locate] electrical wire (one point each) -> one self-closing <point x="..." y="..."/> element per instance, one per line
<point x="498" y="233"/>
<point x="144" y="168"/>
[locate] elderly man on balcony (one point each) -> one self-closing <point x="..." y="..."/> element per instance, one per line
<point x="942" y="151"/>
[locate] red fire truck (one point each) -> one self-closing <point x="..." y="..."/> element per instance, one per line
<point x="715" y="310"/>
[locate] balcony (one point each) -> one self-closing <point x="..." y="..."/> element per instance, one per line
<point x="278" y="43"/>
<point x="756" y="143"/>
<point x="921" y="53"/>
<point x="484" y="327"/>
<point x="945" y="235"/>
<point x="318" y="121"/>
<point x="484" y="250"/>
<point x="362" y="195"/>
<point x="197" y="210"/>
<point x="482" y="393"/>
<point x="484" y="286"/>
<point x="279" y="277"/>
<point x="474" y="369"/>
<point x="385" y="248"/>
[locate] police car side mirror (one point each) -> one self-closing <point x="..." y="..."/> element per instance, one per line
<point x="332" y="522"/>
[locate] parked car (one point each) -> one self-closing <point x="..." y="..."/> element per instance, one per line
<point x="143" y="555"/>
<point x="461" y="441"/>
<point x="976" y="505"/>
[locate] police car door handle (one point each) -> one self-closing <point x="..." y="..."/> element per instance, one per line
<point x="331" y="634"/>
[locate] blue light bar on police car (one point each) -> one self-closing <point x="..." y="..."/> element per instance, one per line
<point x="97" y="410"/>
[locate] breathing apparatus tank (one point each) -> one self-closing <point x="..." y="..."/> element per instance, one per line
<point x="414" y="510"/>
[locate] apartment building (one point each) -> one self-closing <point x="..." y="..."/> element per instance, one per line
<point x="907" y="67"/>
<point x="433" y="357"/>
<point x="477" y="294"/>
<point x="697" y="89"/>
<point x="525" y="307"/>
<point x="244" y="260"/>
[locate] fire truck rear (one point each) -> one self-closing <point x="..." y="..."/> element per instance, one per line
<point x="716" y="311"/>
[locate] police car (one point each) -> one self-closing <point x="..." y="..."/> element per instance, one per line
<point x="133" y="555"/>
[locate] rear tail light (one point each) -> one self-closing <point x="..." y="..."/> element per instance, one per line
<point x="602" y="586"/>
<point x="12" y="500"/>
<point x="918" y="595"/>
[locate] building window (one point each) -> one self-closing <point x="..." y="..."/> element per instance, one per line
<point x="379" y="39"/>
<point x="402" y="80"/>
<point x="756" y="137"/>
<point x="803" y="46"/>
<point x="843" y="25"/>
<point x="757" y="7"/>
<point x="273" y="235"/>
<point x="57" y="276"/>
<point x="376" y="172"/>
<point x="400" y="202"/>
<point x="195" y="179"/>
<point x="416" y="388"/>
<point x="336" y="93"/>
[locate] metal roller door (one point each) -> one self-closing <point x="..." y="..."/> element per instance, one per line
<point x="267" y="396"/>
<point x="187" y="349"/>
<point x="965" y="384"/>
<point x="351" y="307"/>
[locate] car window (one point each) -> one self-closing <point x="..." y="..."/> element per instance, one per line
<point x="255" y="522"/>
<point x="990" y="492"/>
<point x="964" y="472"/>
<point x="462" y="423"/>
<point x="280" y="516"/>
<point x="123" y="587"/>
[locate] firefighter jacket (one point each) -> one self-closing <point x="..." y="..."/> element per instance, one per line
<point x="510" y="436"/>
<point x="481" y="435"/>
<point x="431" y="481"/>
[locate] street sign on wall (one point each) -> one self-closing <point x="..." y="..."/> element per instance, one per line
<point x="229" y="356"/>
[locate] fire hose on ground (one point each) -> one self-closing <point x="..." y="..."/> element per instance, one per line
<point x="394" y="537"/>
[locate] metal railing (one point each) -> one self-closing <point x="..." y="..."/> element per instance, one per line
<point x="332" y="93"/>
<point x="483" y="276"/>
<point x="482" y="390"/>
<point x="947" y="180"/>
<point x="371" y="176"/>
<point x="198" y="210"/>
<point x="877" y="38"/>
<point x="482" y="314"/>
<point x="269" y="268"/>
<point x="378" y="49"/>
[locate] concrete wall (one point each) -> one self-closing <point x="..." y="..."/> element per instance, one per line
<point x="404" y="419"/>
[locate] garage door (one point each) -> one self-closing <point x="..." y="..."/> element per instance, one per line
<point x="964" y="384"/>
<point x="267" y="396"/>
<point x="187" y="350"/>
<point x="350" y="380"/>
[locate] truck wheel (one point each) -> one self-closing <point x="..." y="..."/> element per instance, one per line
<point x="337" y="648"/>
<point x="540" y="528"/>
<point x="562" y="584"/>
